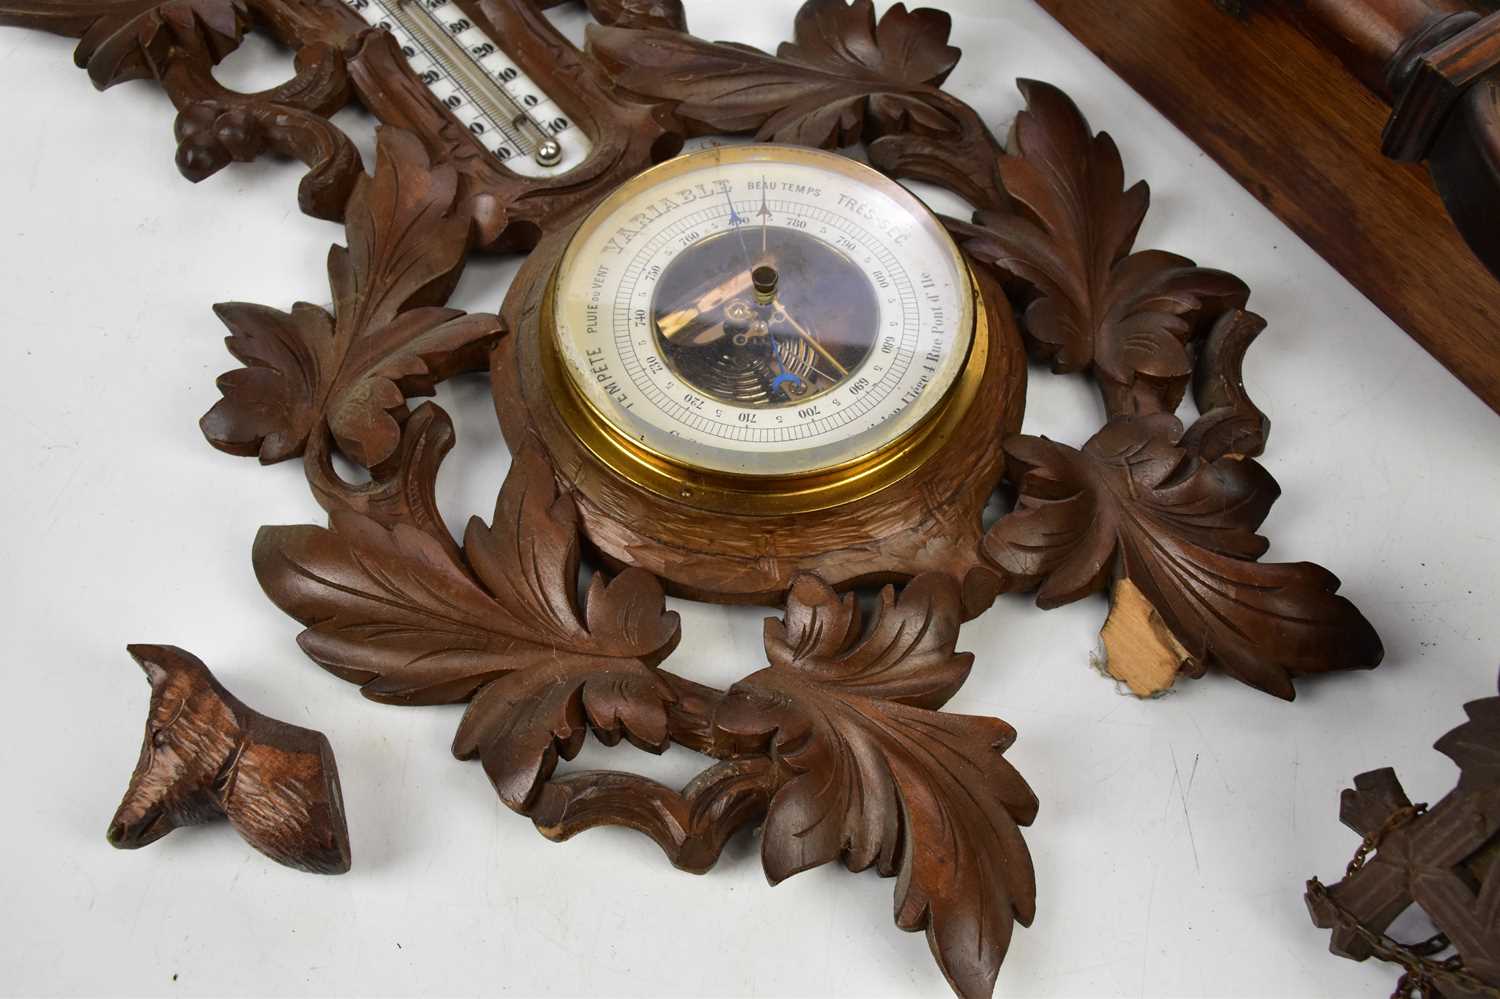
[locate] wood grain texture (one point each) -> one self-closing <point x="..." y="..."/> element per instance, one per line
<point x="1134" y="504"/>
<point x="1445" y="860"/>
<point x="927" y="522"/>
<point x="838" y="746"/>
<point x="207" y="756"/>
<point x="349" y="373"/>
<point x="500" y="626"/>
<point x="1139" y="648"/>
<point x="846" y="76"/>
<point x="500" y="629"/>
<point x="1170" y="510"/>
<point x="1286" y="119"/>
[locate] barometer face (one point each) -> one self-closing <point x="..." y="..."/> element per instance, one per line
<point x="762" y="311"/>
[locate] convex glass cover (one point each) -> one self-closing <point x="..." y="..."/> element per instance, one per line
<point x="762" y="311"/>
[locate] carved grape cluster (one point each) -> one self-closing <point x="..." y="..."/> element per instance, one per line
<point x="209" y="138"/>
<point x="838" y="744"/>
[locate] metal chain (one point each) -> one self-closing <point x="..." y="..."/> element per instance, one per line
<point x="1421" y="976"/>
<point x="1372" y="840"/>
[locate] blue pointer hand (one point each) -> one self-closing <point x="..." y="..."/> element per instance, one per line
<point x="737" y="223"/>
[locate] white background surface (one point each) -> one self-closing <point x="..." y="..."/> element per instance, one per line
<point x="1174" y="836"/>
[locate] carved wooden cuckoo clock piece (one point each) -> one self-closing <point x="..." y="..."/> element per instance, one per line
<point x="760" y="373"/>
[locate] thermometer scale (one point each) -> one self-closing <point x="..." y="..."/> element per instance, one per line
<point x="469" y="74"/>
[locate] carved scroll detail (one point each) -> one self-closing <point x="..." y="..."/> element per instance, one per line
<point x="216" y="126"/>
<point x="178" y="42"/>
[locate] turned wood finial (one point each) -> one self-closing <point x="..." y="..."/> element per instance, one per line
<point x="206" y="755"/>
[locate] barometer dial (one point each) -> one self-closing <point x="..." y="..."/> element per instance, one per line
<point x="762" y="311"/>
<point x="469" y="74"/>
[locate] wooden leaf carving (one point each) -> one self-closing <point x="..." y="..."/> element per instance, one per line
<point x="406" y="237"/>
<point x="906" y="46"/>
<point x="407" y="357"/>
<point x="1066" y="243"/>
<point x="131" y="39"/>
<point x="1135" y="503"/>
<point x="1475" y="746"/>
<point x="875" y="777"/>
<point x="387" y="339"/>
<point x="272" y="403"/>
<point x="815" y="91"/>
<point x="389" y="609"/>
<point x="639" y="13"/>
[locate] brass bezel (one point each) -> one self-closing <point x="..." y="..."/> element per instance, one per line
<point x="728" y="492"/>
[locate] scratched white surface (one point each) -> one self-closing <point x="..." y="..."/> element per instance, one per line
<point x="1174" y="836"/>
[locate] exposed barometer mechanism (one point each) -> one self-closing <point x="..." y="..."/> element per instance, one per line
<point x="756" y="318"/>
<point x="751" y="374"/>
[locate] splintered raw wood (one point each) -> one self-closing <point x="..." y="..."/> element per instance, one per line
<point x="1139" y="648"/>
<point x="838" y="745"/>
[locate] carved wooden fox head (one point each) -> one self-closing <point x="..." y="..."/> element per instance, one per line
<point x="205" y="754"/>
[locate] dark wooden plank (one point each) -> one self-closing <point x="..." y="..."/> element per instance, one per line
<point x="1288" y="121"/>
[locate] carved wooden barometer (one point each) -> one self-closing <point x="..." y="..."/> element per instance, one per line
<point x="749" y="373"/>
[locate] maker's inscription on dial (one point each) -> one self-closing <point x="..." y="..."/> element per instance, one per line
<point x="750" y="313"/>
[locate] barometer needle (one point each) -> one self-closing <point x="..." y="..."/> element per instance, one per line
<point x="765" y="216"/>
<point x="815" y="345"/>
<point x="738" y="225"/>
<point x="673" y="322"/>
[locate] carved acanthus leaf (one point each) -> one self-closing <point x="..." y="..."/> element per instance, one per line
<point x="387" y="340"/>
<point x="1135" y="503"/>
<point x="905" y="46"/>
<point x="133" y="39"/>
<point x="873" y="777"/>
<point x="1065" y="244"/>
<point x="639" y="13"/>
<point x="816" y="91"/>
<point x="389" y="609"/>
